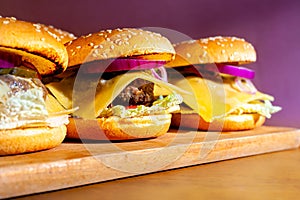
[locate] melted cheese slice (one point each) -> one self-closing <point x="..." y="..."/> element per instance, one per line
<point x="92" y="98"/>
<point x="215" y="99"/>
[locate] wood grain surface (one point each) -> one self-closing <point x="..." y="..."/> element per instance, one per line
<point x="267" y="176"/>
<point x="74" y="163"/>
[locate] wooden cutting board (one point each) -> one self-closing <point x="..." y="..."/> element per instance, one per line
<point x="75" y="163"/>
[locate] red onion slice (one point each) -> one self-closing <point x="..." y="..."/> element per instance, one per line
<point x="236" y="71"/>
<point x="163" y="72"/>
<point x="121" y="64"/>
<point x="245" y="85"/>
<point x="6" y="64"/>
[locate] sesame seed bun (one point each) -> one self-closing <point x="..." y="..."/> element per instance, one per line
<point x="229" y="123"/>
<point x="116" y="128"/>
<point x="16" y="141"/>
<point x="213" y="50"/>
<point x="119" y="43"/>
<point x="32" y="45"/>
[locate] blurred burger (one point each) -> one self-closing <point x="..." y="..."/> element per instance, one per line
<point x="28" y="118"/>
<point x="117" y="79"/>
<point x="224" y="96"/>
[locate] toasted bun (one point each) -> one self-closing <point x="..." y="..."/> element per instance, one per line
<point x="213" y="50"/>
<point x="116" y="128"/>
<point x="16" y="141"/>
<point x="33" y="45"/>
<point x="126" y="42"/>
<point x="229" y="123"/>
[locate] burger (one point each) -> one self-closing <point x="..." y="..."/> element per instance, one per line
<point x="224" y="96"/>
<point x="117" y="80"/>
<point x="29" y="117"/>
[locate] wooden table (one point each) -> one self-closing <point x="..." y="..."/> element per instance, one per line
<point x="267" y="176"/>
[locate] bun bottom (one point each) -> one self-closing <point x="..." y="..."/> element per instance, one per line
<point x="116" y="128"/>
<point x="17" y="141"/>
<point x="229" y="123"/>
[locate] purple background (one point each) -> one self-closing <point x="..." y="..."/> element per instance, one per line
<point x="273" y="26"/>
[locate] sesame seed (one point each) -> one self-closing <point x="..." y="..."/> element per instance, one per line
<point x="101" y="46"/>
<point x="78" y="47"/>
<point x="96" y="51"/>
<point x="91" y="44"/>
<point x="134" y="46"/>
<point x="188" y="55"/>
<point x="231" y="45"/>
<point x="112" y="47"/>
<point x="38" y="30"/>
<point x="205" y="41"/>
<point x="118" y="41"/>
<point x="104" y="55"/>
<point x="109" y="31"/>
<point x="86" y="36"/>
<point x="126" y="42"/>
<point x="37" y="26"/>
<point x="108" y="39"/>
<point x="223" y="51"/>
<point x="5" y="22"/>
<point x="191" y="41"/>
<point x="43" y="39"/>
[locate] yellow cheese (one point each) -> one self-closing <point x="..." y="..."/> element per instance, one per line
<point x="215" y="99"/>
<point x="53" y="105"/>
<point x="92" y="98"/>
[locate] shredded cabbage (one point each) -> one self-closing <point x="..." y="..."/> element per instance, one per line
<point x="161" y="106"/>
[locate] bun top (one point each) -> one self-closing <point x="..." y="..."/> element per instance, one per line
<point x="213" y="50"/>
<point x="60" y="35"/>
<point x="33" y="45"/>
<point x="119" y="43"/>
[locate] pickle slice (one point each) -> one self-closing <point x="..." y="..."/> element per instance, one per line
<point x="19" y="71"/>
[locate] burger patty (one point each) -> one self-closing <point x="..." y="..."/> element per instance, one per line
<point x="139" y="92"/>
